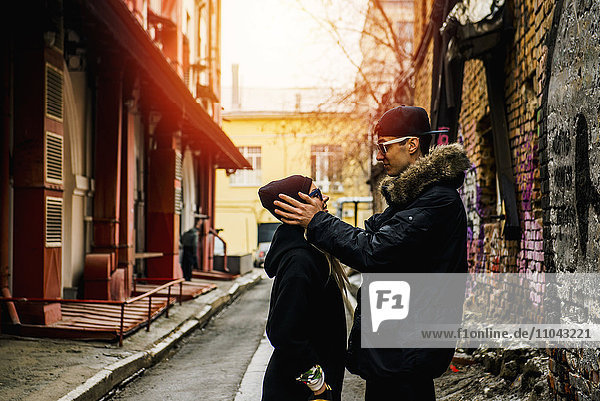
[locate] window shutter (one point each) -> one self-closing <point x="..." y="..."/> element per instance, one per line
<point x="54" y="158"/>
<point x="54" y="208"/>
<point x="179" y="177"/>
<point x="54" y="93"/>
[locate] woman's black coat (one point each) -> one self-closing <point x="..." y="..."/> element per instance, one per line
<point x="306" y="324"/>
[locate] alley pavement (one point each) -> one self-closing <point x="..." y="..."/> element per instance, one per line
<point x="226" y="360"/>
<point x="66" y="370"/>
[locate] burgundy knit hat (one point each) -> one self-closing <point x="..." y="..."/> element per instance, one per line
<point x="289" y="186"/>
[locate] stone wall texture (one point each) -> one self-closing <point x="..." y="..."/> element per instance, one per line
<point x="569" y="155"/>
<point x="552" y="93"/>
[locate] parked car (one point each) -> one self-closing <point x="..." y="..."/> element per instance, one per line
<point x="265" y="236"/>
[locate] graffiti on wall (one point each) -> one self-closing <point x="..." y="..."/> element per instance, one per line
<point x="485" y="249"/>
<point x="531" y="247"/>
<point x="470" y="193"/>
<point x="470" y="196"/>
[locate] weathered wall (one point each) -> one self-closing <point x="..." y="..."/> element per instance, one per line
<point x="422" y="97"/>
<point x="422" y="93"/>
<point x="573" y="135"/>
<point x="570" y="152"/>
<point x="552" y="87"/>
<point x="524" y="69"/>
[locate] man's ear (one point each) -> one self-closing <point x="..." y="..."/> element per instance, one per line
<point x="413" y="145"/>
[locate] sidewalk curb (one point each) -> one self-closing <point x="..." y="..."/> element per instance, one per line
<point x="109" y="377"/>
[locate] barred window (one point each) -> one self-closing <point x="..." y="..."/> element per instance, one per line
<point x="326" y="162"/>
<point x="248" y="178"/>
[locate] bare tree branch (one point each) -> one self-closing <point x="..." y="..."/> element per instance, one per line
<point x="334" y="32"/>
<point x="383" y="78"/>
<point x="379" y="41"/>
<point x="393" y="37"/>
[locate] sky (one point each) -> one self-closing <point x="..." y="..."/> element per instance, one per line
<point x="279" y="45"/>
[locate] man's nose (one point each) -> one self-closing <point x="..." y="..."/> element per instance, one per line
<point x="380" y="155"/>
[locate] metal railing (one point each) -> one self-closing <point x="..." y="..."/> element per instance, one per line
<point x="215" y="233"/>
<point x="123" y="304"/>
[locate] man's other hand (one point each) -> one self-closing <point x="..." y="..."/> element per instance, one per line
<point x="298" y="213"/>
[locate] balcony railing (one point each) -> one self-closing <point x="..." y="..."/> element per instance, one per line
<point x="123" y="304"/>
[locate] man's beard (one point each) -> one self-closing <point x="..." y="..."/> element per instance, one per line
<point x="398" y="171"/>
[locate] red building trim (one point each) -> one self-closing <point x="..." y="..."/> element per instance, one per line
<point x="128" y="33"/>
<point x="162" y="222"/>
<point x="37" y="263"/>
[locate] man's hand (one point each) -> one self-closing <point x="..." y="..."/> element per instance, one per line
<point x="298" y="213"/>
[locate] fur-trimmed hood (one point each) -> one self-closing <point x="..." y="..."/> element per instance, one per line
<point x="444" y="165"/>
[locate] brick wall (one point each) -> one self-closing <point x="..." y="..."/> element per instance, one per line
<point x="422" y="96"/>
<point x="552" y="87"/>
<point x="524" y="71"/>
<point x="487" y="248"/>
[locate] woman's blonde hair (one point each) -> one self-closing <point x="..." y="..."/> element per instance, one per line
<point x="337" y="271"/>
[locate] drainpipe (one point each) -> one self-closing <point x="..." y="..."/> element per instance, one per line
<point x="4" y="164"/>
<point x="5" y="104"/>
<point x="12" y="311"/>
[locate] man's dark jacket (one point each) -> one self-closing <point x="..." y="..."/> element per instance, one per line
<point x="423" y="230"/>
<point x="307" y="322"/>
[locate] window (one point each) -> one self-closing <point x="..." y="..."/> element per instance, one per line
<point x="405" y="35"/>
<point x="248" y="178"/>
<point x="326" y="167"/>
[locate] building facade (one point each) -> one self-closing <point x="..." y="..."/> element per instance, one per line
<point x="110" y="142"/>
<point x="386" y="47"/>
<point x="279" y="144"/>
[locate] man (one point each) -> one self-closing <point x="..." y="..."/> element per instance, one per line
<point x="423" y="230"/>
<point x="189" y="244"/>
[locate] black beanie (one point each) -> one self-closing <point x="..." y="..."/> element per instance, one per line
<point x="289" y="186"/>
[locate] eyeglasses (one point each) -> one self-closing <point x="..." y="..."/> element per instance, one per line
<point x="383" y="146"/>
<point x="316" y="193"/>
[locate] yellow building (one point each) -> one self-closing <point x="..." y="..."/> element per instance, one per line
<point x="279" y="144"/>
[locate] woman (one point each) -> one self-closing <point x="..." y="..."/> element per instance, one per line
<point x="306" y="323"/>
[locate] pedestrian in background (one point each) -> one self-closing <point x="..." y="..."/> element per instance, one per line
<point x="306" y="323"/>
<point x="424" y="211"/>
<point x="189" y="246"/>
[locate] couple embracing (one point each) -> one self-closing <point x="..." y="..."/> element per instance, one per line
<point x="306" y="323"/>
